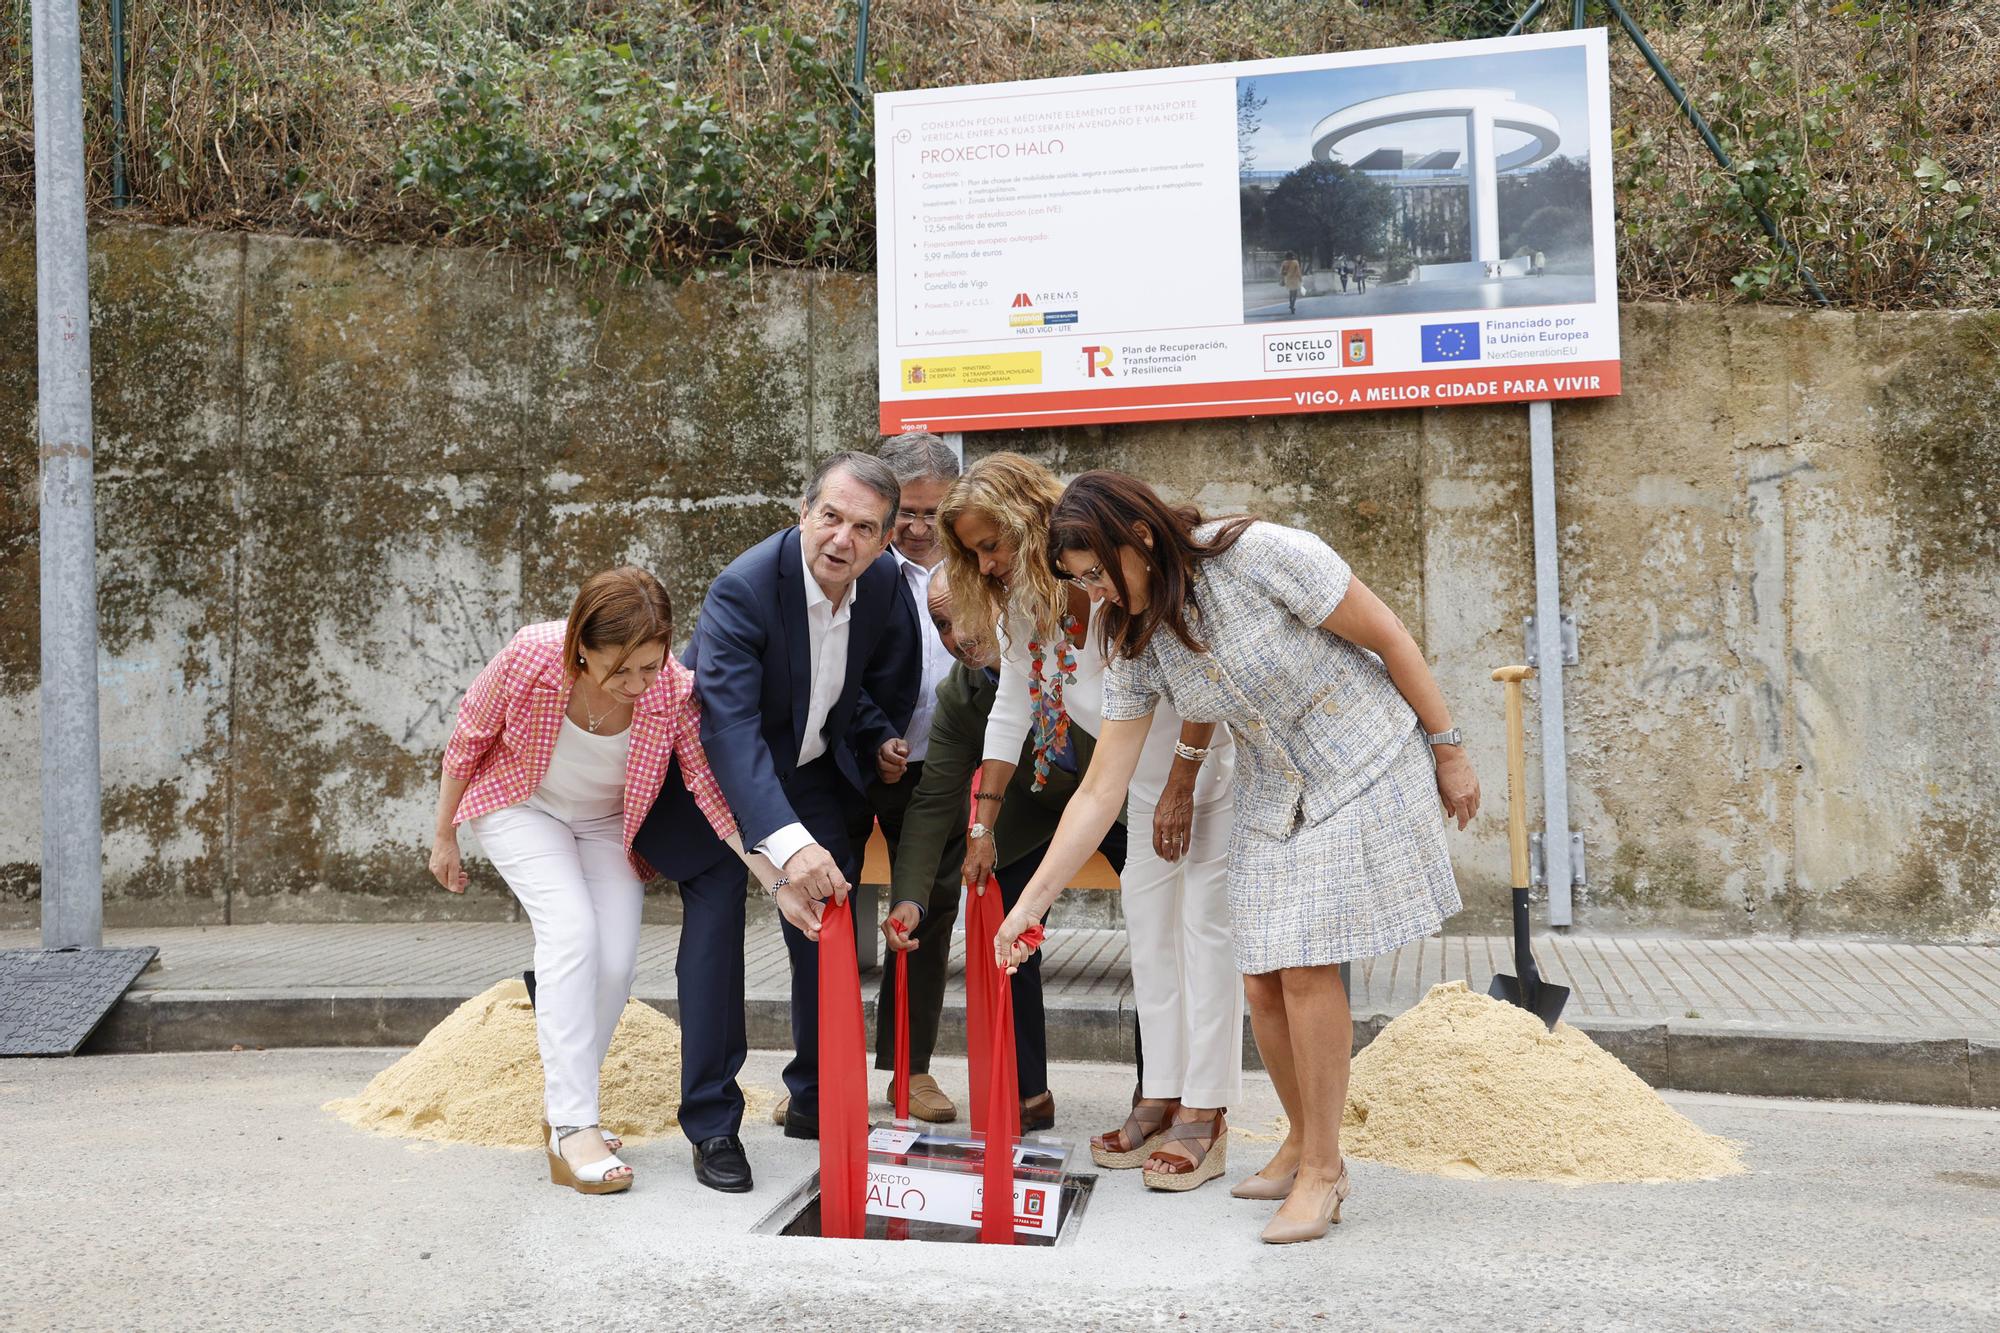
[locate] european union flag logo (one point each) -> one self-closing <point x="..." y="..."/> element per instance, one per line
<point x="1451" y="342"/>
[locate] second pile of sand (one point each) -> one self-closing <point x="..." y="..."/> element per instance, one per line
<point x="1463" y="1085"/>
<point x="477" y="1078"/>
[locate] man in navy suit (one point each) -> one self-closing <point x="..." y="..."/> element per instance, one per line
<point x="801" y="659"/>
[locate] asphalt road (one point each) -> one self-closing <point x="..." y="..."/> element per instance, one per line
<point x="212" y="1192"/>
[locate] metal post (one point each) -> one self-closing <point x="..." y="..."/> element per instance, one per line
<point x="861" y="61"/>
<point x="119" y="195"/>
<point x="1549" y="665"/>
<point x="72" y="835"/>
<point x="1522" y="22"/>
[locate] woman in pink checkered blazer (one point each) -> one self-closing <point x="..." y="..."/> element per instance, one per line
<point x="561" y="747"/>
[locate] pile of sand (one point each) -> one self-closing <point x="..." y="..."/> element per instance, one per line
<point x="1464" y="1085"/>
<point x="477" y="1078"/>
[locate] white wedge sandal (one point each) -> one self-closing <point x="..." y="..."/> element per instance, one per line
<point x="587" y="1179"/>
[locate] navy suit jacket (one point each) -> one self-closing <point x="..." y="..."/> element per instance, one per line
<point x="751" y="658"/>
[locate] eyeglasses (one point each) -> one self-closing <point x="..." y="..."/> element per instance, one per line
<point x="928" y="517"/>
<point x="1094" y="577"/>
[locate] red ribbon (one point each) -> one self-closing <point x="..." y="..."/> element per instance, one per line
<point x="902" y="1082"/>
<point x="899" y="1228"/>
<point x="996" y="1089"/>
<point x="843" y="1080"/>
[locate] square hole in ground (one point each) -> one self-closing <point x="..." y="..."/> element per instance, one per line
<point x="798" y="1215"/>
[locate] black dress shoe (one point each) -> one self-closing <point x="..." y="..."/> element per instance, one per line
<point x="798" y="1125"/>
<point x="719" y="1163"/>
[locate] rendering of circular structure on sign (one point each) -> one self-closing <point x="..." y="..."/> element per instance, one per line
<point x="1495" y="105"/>
<point x="1484" y="110"/>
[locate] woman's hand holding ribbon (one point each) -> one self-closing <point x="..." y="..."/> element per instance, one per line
<point x="1019" y="936"/>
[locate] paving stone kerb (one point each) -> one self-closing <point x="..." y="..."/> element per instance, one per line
<point x="1983" y="1057"/>
<point x="1767" y="1062"/>
<point x="1801" y="1019"/>
<point x="333" y="479"/>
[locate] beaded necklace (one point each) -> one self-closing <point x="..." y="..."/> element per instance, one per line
<point x="1045" y="693"/>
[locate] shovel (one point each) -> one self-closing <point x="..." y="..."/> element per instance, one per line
<point x="1543" y="999"/>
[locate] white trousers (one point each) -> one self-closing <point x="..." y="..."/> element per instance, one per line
<point x="1184" y="978"/>
<point x="583" y="897"/>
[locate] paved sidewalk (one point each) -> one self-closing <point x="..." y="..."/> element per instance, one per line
<point x="1782" y="1018"/>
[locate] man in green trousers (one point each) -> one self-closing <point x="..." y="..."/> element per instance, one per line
<point x="925" y="881"/>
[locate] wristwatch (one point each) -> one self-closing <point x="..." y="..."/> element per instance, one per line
<point x="1452" y="737"/>
<point x="978" y="831"/>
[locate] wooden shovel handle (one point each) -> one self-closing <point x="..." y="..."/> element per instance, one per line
<point x="1517" y="772"/>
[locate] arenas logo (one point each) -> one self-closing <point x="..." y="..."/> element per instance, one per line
<point x="1024" y="315"/>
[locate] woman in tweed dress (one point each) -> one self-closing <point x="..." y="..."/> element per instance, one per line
<point x="1346" y="751"/>
<point x="560" y="748"/>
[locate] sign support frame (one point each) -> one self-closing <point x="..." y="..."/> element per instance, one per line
<point x="1557" y="871"/>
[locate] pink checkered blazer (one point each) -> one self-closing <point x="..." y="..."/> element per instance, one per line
<point x="509" y="720"/>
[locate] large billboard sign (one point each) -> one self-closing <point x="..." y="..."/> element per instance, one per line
<point x="1411" y="227"/>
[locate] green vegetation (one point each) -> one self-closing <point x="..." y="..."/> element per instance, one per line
<point x="676" y="137"/>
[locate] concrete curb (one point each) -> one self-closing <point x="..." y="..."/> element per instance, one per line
<point x="1835" y="1063"/>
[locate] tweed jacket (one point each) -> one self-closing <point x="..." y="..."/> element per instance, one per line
<point x="934" y="821"/>
<point x="508" y="722"/>
<point x="1317" y="718"/>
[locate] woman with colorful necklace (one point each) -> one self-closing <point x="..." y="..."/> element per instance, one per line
<point x="995" y="521"/>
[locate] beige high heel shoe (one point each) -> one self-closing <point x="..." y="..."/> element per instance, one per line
<point x="1264" y="1187"/>
<point x="1282" y="1232"/>
<point x="587" y="1179"/>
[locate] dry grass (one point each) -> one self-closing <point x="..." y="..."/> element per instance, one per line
<point x="1873" y="130"/>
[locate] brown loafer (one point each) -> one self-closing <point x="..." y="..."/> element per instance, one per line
<point x="927" y="1100"/>
<point x="1038" y="1113"/>
<point x="778" y="1111"/>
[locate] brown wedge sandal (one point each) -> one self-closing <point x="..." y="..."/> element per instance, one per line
<point x="1133" y="1142"/>
<point x="1182" y="1173"/>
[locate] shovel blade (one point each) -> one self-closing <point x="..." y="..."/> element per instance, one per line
<point x="1544" y="1000"/>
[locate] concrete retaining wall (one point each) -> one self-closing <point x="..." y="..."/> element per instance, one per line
<point x="332" y="480"/>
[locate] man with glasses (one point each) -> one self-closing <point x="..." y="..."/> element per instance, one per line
<point x="925" y="466"/>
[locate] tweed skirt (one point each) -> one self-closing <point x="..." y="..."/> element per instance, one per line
<point x="1366" y="880"/>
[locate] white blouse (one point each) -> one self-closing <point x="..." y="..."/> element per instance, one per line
<point x="1012" y="718"/>
<point x="586" y="777"/>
